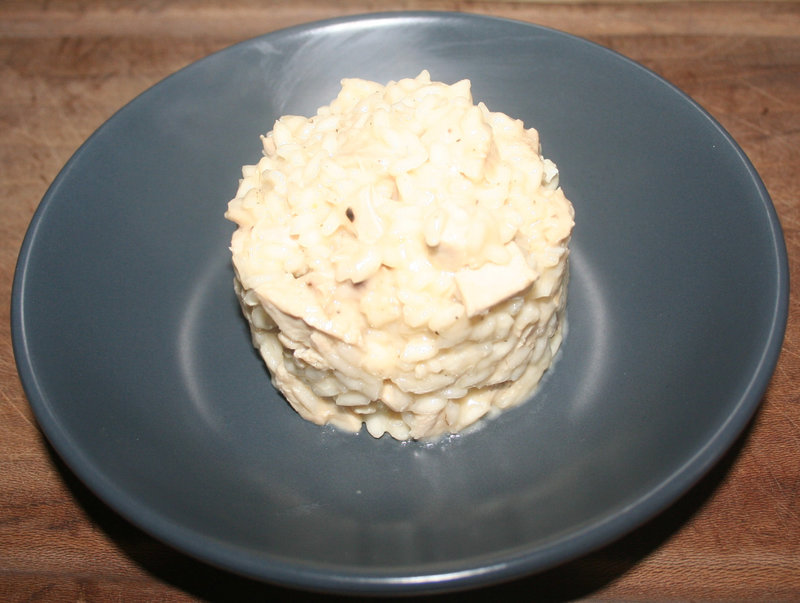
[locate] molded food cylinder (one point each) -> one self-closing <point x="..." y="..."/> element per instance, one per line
<point x="402" y="258"/>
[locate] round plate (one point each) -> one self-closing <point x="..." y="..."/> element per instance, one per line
<point x="138" y="364"/>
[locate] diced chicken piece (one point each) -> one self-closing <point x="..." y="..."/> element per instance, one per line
<point x="483" y="287"/>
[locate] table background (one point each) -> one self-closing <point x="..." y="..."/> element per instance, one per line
<point x="65" y="67"/>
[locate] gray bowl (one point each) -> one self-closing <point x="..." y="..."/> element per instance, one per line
<point x="138" y="365"/>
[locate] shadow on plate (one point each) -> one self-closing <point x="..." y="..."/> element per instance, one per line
<point x="573" y="580"/>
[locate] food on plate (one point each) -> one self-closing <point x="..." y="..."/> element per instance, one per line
<point x="402" y="258"/>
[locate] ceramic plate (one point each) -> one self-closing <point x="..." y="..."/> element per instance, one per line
<point x="139" y="367"/>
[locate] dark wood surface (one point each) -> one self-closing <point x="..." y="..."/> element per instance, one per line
<point x="65" y="67"/>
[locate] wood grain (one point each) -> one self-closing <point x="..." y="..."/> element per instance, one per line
<point x="65" y="67"/>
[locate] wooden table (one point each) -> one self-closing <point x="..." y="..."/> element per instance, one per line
<point x="67" y="66"/>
